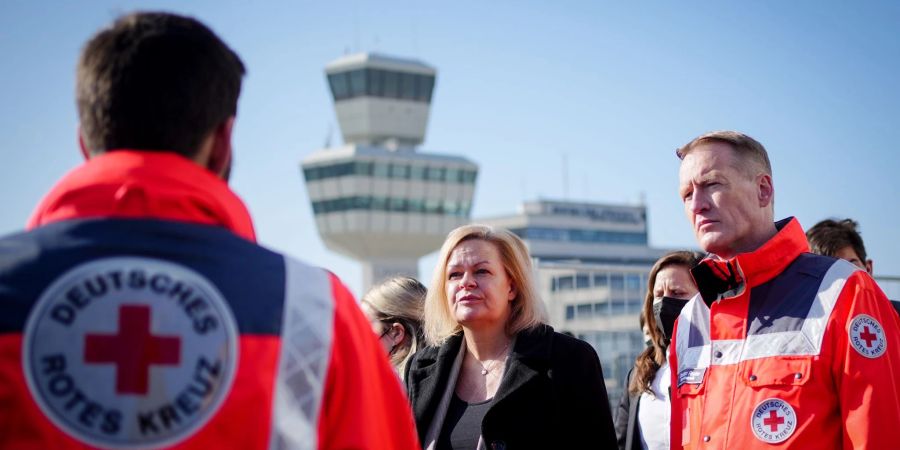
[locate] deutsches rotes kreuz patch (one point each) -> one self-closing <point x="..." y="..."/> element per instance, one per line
<point x="130" y="352"/>
<point x="867" y="336"/>
<point x="773" y="421"/>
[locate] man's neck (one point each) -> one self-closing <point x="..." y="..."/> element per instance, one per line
<point x="749" y="245"/>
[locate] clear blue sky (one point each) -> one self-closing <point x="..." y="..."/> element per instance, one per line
<point x="613" y="87"/>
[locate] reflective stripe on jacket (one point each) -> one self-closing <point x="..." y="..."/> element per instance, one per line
<point x="785" y="349"/>
<point x="138" y="313"/>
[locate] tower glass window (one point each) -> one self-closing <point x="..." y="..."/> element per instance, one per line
<point x="339" y="85"/>
<point x="381" y="170"/>
<point x="400" y="171"/>
<point x="426" y="85"/>
<point x="376" y="82"/>
<point x="436" y="173"/>
<point x="407" y="86"/>
<point x="381" y="83"/>
<point x="357" y="83"/>
<point x="417" y="172"/>
<point x="391" y="84"/>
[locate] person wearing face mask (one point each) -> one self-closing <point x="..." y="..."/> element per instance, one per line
<point x="394" y="309"/>
<point x="642" y="418"/>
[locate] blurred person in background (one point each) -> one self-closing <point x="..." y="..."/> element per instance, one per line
<point x="394" y="309"/>
<point x="642" y="418"/>
<point x="840" y="239"/>
<point x="138" y="311"/>
<point x="496" y="376"/>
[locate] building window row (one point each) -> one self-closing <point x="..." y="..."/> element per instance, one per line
<point x="616" y="281"/>
<point x="381" y="83"/>
<point x="598" y="213"/>
<point x="616" y="306"/>
<point x="365" y="203"/>
<point x="617" y="351"/>
<point x="579" y="235"/>
<point x="612" y="344"/>
<point x="397" y="171"/>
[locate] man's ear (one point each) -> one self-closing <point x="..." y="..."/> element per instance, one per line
<point x="220" y="153"/>
<point x="765" y="190"/>
<point x="84" y="150"/>
<point x="869" y="266"/>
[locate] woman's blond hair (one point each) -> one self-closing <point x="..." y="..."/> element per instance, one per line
<point x="527" y="309"/>
<point x="400" y="300"/>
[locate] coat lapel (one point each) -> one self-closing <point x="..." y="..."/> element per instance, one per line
<point x="630" y="443"/>
<point x="529" y="357"/>
<point x="428" y="377"/>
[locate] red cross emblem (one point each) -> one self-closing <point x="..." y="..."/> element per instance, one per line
<point x="133" y="350"/>
<point x="773" y="420"/>
<point x="130" y="352"/>
<point x="868" y="336"/>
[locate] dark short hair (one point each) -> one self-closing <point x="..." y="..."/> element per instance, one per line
<point x="830" y="236"/>
<point x="744" y="146"/>
<point x="155" y="81"/>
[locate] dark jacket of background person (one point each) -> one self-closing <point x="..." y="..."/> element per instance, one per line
<point x="626" y="418"/>
<point x="552" y="394"/>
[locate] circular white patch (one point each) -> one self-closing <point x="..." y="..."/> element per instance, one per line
<point x="867" y="336"/>
<point x="773" y="421"/>
<point x="130" y="352"/>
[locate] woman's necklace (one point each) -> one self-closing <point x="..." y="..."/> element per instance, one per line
<point x="486" y="369"/>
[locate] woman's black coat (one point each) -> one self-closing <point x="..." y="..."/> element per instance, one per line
<point x="628" y="435"/>
<point x="552" y="395"/>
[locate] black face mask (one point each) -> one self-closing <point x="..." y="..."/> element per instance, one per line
<point x="666" y="311"/>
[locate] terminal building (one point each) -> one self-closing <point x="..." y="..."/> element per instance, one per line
<point x="591" y="262"/>
<point x="376" y="198"/>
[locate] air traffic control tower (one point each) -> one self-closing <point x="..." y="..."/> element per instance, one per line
<point x="376" y="198"/>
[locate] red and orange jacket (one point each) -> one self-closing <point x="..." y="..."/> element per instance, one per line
<point x="785" y="349"/>
<point x="138" y="312"/>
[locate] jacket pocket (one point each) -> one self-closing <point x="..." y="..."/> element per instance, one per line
<point x="692" y="381"/>
<point x="691" y="385"/>
<point x="781" y="371"/>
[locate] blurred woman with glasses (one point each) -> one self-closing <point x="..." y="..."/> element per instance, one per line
<point x="394" y="309"/>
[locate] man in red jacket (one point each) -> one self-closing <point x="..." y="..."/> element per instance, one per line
<point x="138" y="312"/>
<point x="782" y="348"/>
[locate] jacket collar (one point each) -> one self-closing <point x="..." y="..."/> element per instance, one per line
<point x="726" y="278"/>
<point x="529" y="357"/>
<point x="428" y="377"/>
<point x="430" y="371"/>
<point x="141" y="184"/>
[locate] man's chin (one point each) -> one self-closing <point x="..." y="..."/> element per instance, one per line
<point x="711" y="243"/>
